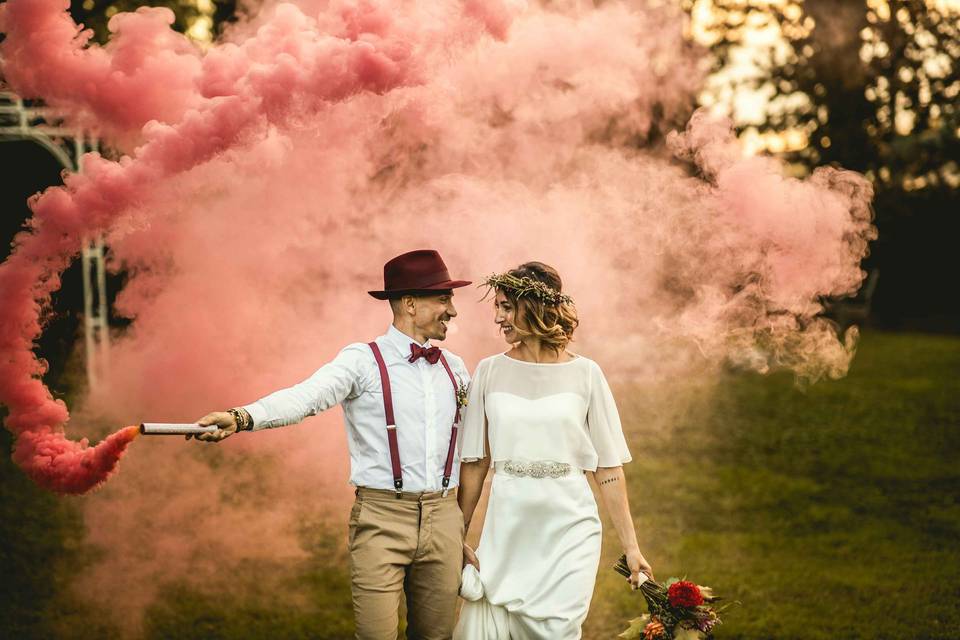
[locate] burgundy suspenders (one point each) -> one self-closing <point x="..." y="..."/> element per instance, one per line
<point x="448" y="466"/>
<point x="392" y="424"/>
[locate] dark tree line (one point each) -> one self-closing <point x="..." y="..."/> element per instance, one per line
<point x="873" y="86"/>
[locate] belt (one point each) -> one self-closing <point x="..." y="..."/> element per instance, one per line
<point x="405" y="496"/>
<point x="535" y="469"/>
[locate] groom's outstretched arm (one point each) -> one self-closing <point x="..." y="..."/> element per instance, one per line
<point x="330" y="385"/>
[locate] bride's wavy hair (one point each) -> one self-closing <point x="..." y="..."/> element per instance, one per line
<point x="552" y="324"/>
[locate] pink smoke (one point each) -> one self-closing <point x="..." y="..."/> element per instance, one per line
<point x="258" y="202"/>
<point x="288" y="68"/>
<point x="64" y="466"/>
<point x="147" y="72"/>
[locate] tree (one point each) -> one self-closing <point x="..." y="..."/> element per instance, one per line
<point x="869" y="85"/>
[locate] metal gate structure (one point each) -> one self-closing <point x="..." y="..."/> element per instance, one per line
<point x="20" y="121"/>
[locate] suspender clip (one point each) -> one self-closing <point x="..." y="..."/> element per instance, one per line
<point x="446" y="486"/>
<point x="398" y="485"/>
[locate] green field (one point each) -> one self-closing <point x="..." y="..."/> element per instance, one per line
<point x="828" y="512"/>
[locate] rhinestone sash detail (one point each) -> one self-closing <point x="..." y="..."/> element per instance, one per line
<point x="535" y="469"/>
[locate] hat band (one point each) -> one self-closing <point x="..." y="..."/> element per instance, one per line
<point x="422" y="282"/>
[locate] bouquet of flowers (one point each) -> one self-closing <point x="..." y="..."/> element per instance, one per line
<point x="677" y="610"/>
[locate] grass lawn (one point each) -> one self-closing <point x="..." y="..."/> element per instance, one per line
<point x="829" y="512"/>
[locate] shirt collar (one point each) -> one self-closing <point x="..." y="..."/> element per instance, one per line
<point x="402" y="341"/>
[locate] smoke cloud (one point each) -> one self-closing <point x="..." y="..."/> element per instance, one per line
<point x="268" y="178"/>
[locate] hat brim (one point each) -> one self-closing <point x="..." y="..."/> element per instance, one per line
<point x="431" y="290"/>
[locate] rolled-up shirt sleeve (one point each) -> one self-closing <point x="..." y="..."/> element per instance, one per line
<point x="330" y="385"/>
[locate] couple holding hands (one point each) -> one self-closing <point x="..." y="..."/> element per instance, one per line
<point x="422" y="436"/>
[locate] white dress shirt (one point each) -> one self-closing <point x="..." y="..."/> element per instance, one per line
<point x="424" y="406"/>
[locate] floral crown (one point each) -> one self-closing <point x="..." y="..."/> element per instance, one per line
<point x="527" y="287"/>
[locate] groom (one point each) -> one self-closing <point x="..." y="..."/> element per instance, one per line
<point x="401" y="401"/>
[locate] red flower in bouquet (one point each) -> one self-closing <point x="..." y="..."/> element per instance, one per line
<point x="684" y="594"/>
<point x="677" y="610"/>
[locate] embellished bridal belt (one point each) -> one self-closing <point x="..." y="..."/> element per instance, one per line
<point x="536" y="469"/>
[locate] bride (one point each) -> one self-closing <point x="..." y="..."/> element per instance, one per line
<point x="543" y="417"/>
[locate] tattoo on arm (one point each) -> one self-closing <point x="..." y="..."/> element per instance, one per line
<point x="609" y="480"/>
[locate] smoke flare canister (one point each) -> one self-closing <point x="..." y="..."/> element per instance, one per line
<point x="174" y="429"/>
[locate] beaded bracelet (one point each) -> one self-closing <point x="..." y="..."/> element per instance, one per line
<point x="242" y="418"/>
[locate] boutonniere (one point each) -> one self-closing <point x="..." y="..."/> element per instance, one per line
<point x="461" y="393"/>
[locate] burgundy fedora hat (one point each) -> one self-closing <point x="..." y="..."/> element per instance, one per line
<point x="414" y="272"/>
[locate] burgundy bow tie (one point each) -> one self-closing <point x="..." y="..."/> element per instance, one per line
<point x="431" y="355"/>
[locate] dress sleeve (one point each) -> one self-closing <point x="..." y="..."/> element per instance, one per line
<point x="474" y="425"/>
<point x="603" y="423"/>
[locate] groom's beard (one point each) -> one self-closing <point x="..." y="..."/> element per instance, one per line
<point x="437" y="330"/>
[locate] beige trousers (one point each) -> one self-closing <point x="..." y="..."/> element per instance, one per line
<point x="412" y="545"/>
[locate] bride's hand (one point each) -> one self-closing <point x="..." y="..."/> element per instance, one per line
<point x="470" y="557"/>
<point x="638" y="564"/>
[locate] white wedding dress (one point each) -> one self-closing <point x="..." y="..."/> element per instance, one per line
<point x="540" y="545"/>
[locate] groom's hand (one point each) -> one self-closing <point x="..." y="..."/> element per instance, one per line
<point x="226" y="426"/>
<point x="470" y="557"/>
